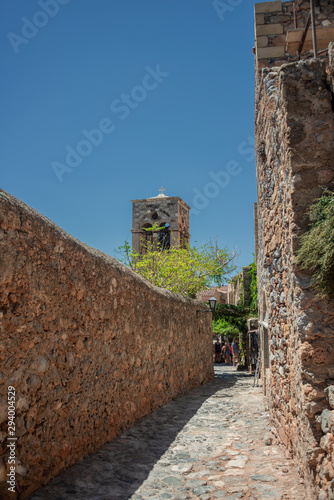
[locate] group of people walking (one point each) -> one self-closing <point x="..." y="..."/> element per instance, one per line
<point x="226" y="353"/>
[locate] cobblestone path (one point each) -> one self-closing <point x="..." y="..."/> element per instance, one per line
<point x="208" y="444"/>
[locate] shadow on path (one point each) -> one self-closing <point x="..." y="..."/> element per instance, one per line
<point x="117" y="469"/>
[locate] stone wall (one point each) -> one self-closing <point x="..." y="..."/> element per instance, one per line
<point x="295" y="156"/>
<point x="89" y="346"/>
<point x="256" y="232"/>
<point x="238" y="288"/>
<point x="274" y="19"/>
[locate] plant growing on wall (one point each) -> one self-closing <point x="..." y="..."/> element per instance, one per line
<point x="237" y="280"/>
<point x="241" y="298"/>
<point x="316" y="251"/>
<point x="183" y="270"/>
<point x="253" y="288"/>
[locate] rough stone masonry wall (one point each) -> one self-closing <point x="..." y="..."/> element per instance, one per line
<point x="274" y="19"/>
<point x="89" y="346"/>
<point x="295" y="156"/>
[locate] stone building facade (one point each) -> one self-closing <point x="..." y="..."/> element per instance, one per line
<point x="168" y="212"/>
<point x="238" y="288"/>
<point x="218" y="292"/>
<point x="88" y="345"/>
<point x="279" y="27"/>
<point x="294" y="131"/>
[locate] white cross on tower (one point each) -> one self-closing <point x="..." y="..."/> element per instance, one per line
<point x="162" y="190"/>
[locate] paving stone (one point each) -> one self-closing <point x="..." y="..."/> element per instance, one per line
<point x="265" y="478"/>
<point x="194" y="483"/>
<point x="202" y="489"/>
<point x="219" y="484"/>
<point x="232" y="452"/>
<point x="238" y="464"/>
<point x="237" y="489"/>
<point x="181" y="468"/>
<point x="270" y="494"/>
<point x="174" y="481"/>
<point x="200" y="473"/>
<point x="240" y="480"/>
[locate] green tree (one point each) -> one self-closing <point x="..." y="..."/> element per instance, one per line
<point x="234" y="317"/>
<point x="221" y="326"/>
<point x="183" y="270"/>
<point x="316" y="251"/>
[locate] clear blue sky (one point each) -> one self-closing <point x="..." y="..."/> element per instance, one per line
<point x="170" y="84"/>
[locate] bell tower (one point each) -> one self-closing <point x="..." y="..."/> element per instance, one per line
<point x="170" y="213"/>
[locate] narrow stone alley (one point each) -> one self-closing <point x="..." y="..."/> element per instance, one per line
<point x="214" y="442"/>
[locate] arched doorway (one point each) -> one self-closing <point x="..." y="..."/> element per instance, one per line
<point x="164" y="236"/>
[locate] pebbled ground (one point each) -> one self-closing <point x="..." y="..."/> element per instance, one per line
<point x="207" y="444"/>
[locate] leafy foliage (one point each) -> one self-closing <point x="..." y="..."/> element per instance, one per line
<point x="316" y="251"/>
<point x="153" y="228"/>
<point x="183" y="270"/>
<point x="234" y="314"/>
<point x="253" y="288"/>
<point x="230" y="320"/>
<point x="241" y="298"/>
<point x="221" y="326"/>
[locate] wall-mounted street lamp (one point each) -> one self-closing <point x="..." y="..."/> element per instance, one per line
<point x="212" y="304"/>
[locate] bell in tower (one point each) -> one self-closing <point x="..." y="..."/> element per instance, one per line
<point x="170" y="215"/>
